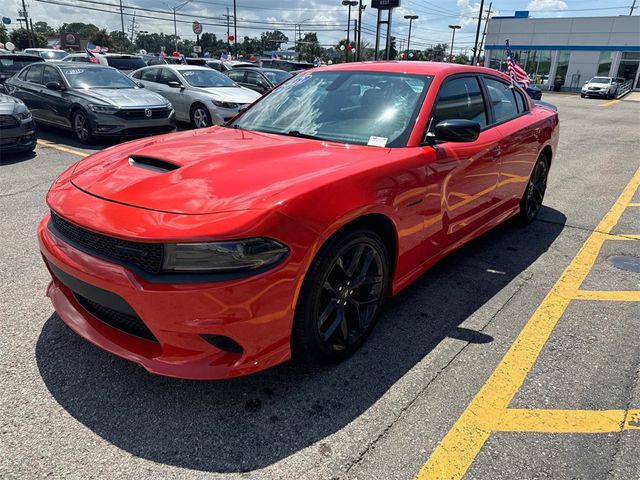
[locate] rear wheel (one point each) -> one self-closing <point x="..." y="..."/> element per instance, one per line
<point x="582" y="95"/>
<point x="341" y="297"/>
<point x="200" y="117"/>
<point x="81" y="127"/>
<point x="531" y="201"/>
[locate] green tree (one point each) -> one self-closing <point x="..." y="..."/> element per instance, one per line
<point x="273" y="40"/>
<point x="462" y="59"/>
<point x="4" y="36"/>
<point x="212" y="44"/>
<point x="393" y="50"/>
<point x="120" y="41"/>
<point x="85" y="30"/>
<point x="153" y="42"/>
<point x="102" y="38"/>
<point x="44" y="28"/>
<point x="437" y="53"/>
<point x="309" y="47"/>
<point x="20" y="39"/>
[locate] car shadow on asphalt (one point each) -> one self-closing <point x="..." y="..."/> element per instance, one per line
<point x="249" y="423"/>
<point x="9" y="158"/>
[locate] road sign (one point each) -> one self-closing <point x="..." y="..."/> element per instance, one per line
<point x="197" y="27"/>
<point x="385" y="4"/>
<point x="197" y="49"/>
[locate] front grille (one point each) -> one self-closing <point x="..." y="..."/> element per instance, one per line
<point x="8" y="121"/>
<point x="131" y="324"/>
<point x="141" y="113"/>
<point x="145" y="256"/>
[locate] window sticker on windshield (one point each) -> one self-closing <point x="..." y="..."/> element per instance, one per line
<point x="75" y="71"/>
<point x="377" y="141"/>
<point x="188" y="73"/>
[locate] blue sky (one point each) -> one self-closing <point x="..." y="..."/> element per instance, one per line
<point x="327" y="17"/>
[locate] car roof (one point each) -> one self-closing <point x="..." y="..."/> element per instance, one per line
<point x="45" y="49"/>
<point x="261" y="69"/>
<point x="20" y="54"/>
<point x="185" y="67"/>
<point x="414" y="67"/>
<point x="78" y="65"/>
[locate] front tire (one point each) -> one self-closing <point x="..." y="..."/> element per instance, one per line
<point x="81" y="127"/>
<point x="200" y="116"/>
<point x="531" y="201"/>
<point x="341" y="297"/>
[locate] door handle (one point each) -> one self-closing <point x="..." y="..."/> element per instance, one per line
<point x="536" y="133"/>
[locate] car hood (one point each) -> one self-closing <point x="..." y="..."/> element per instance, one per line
<point x="215" y="170"/>
<point x="123" y="97"/>
<point x="231" y="94"/>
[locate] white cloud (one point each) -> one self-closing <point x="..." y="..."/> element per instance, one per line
<point x="537" y="5"/>
<point x="467" y="12"/>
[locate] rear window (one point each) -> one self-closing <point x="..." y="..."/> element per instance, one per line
<point x="13" y="63"/>
<point x="126" y="63"/>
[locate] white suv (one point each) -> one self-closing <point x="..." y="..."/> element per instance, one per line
<point x="600" y="87"/>
<point x="121" y="61"/>
<point x="49" y="54"/>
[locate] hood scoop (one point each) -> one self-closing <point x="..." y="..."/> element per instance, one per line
<point x="153" y="164"/>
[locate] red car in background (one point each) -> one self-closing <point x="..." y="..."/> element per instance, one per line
<point x="221" y="252"/>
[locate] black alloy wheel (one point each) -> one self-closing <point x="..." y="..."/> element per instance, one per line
<point x="531" y="202"/>
<point x="341" y="297"/>
<point x="81" y="127"/>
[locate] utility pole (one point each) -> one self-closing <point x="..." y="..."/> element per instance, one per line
<point x="124" y="35"/>
<point x="484" y="31"/>
<point x="134" y="25"/>
<point x="228" y="33"/>
<point x="633" y="6"/>
<point x="475" y="47"/>
<point x="355" y="38"/>
<point x="26" y="22"/>
<point x="235" y="29"/>
<point x="361" y="9"/>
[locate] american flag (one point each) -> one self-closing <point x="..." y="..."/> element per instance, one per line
<point x="92" y="58"/>
<point x="516" y="72"/>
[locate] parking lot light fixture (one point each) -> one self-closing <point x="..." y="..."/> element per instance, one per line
<point x="411" y="18"/>
<point x="453" y="38"/>
<point x="175" y="8"/>
<point x="348" y="3"/>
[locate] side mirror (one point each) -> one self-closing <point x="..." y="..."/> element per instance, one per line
<point x="140" y="84"/>
<point x="54" y="86"/>
<point x="456" y="130"/>
<point x="175" y="85"/>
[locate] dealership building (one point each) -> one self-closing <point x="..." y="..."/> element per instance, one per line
<point x="566" y="52"/>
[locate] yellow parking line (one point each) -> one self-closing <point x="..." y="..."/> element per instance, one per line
<point x="623" y="237"/>
<point x="611" y="103"/>
<point x="634" y="205"/>
<point x="457" y="450"/>
<point x="62" y="149"/>
<point x="565" y="421"/>
<point x="608" y="296"/>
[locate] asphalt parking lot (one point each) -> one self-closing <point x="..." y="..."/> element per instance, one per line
<point x="516" y="357"/>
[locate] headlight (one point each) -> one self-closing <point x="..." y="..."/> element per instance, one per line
<point x="103" y="109"/>
<point x="225" y="256"/>
<point x="218" y="103"/>
<point x="24" y="115"/>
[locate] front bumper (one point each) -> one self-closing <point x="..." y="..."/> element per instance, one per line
<point x="19" y="138"/>
<point x="595" y="93"/>
<point x="103" y="125"/>
<point x="256" y="312"/>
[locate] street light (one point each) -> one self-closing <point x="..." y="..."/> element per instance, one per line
<point x="411" y="18"/>
<point x="349" y="3"/>
<point x="453" y="37"/>
<point x="175" y="24"/>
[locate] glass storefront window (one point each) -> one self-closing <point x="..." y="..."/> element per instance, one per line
<point x="604" y="64"/>
<point x="629" y="65"/>
<point x="561" y="70"/>
<point x="536" y="63"/>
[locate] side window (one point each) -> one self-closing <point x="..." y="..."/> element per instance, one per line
<point x="521" y="101"/>
<point x="460" y="98"/>
<point x="236" y="75"/>
<point x="167" y="76"/>
<point x="148" y="75"/>
<point x="50" y="75"/>
<point x="35" y="74"/>
<point x="254" y="78"/>
<point x="23" y="74"/>
<point x="502" y="100"/>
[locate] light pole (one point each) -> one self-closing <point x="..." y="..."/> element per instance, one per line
<point x="361" y="8"/>
<point x="175" y="24"/>
<point x="411" y="18"/>
<point x="349" y="3"/>
<point x="453" y="38"/>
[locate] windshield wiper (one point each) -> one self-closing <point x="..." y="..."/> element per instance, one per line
<point x="296" y="133"/>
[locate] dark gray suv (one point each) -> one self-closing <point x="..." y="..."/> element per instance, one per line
<point x="91" y="100"/>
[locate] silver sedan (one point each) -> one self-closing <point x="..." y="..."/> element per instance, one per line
<point x="199" y="95"/>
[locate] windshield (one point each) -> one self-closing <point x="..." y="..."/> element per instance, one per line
<point x="15" y="63"/>
<point x="97" y="78"/>
<point x="53" y="55"/>
<point x="126" y="63"/>
<point x="365" y="108"/>
<point x="206" y="78"/>
<point x="276" y="77"/>
<point x="600" y="80"/>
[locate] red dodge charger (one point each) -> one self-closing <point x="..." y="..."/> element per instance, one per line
<point x="216" y="253"/>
